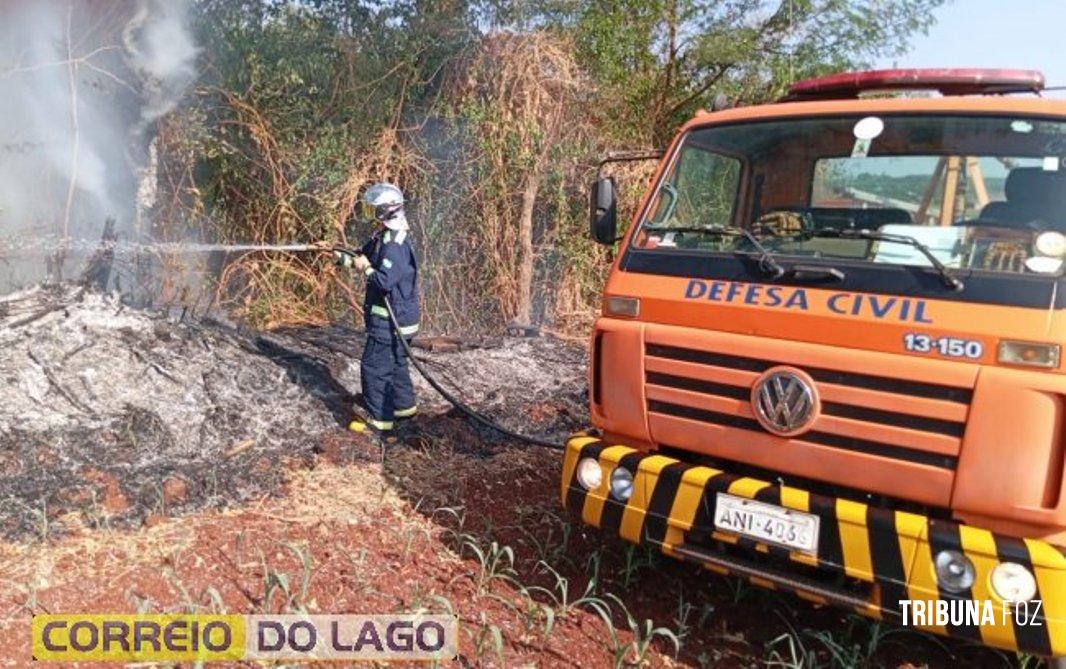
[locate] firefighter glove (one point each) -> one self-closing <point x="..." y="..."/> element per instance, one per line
<point x="342" y="259"/>
<point x="361" y="263"/>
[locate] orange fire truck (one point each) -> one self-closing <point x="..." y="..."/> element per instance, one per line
<point x="829" y="357"/>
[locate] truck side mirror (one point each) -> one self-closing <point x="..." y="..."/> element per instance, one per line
<point x="603" y="211"/>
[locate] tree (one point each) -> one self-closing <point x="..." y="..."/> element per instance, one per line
<point x="490" y="113"/>
<point x="656" y="61"/>
<point x="521" y="96"/>
<point x="300" y="103"/>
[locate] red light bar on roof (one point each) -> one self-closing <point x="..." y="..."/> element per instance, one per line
<point x="948" y="81"/>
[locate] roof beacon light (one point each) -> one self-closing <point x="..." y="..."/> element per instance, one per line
<point x="948" y="81"/>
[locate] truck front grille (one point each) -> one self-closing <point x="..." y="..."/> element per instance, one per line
<point x="900" y="419"/>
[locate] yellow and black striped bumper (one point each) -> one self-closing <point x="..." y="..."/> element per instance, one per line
<point x="889" y="554"/>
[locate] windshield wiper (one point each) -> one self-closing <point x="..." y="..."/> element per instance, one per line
<point x="767" y="262"/>
<point x="950" y="280"/>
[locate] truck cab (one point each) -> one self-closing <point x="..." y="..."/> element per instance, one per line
<point x="829" y="356"/>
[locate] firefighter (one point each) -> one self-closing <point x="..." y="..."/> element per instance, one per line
<point x="388" y="262"/>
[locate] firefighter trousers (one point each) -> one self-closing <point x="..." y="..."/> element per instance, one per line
<point x="385" y="377"/>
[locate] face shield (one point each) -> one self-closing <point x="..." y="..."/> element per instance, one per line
<point x="383" y="212"/>
<point x="383" y="202"/>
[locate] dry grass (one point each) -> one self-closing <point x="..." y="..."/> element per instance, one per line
<point x="521" y="96"/>
<point x="496" y="171"/>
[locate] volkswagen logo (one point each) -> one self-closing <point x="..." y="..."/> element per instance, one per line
<point x="785" y="401"/>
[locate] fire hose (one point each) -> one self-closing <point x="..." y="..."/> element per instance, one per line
<point x="113" y="245"/>
<point x="452" y="399"/>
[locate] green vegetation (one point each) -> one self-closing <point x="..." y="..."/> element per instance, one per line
<point x="909" y="188"/>
<point x="490" y="114"/>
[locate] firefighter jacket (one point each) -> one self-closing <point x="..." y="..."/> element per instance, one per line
<point x="393" y="273"/>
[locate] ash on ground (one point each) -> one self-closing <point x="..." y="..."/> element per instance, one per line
<point x="110" y="415"/>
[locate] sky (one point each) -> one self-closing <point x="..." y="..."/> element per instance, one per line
<point x="1026" y="34"/>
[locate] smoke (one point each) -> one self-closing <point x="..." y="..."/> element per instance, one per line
<point x="165" y="54"/>
<point x="82" y="83"/>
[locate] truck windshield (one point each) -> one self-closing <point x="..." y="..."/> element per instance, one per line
<point x="982" y="194"/>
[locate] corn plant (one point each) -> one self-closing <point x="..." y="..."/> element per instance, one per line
<point x="444" y="603"/>
<point x="592" y="564"/>
<point x="30" y="605"/>
<point x="274" y="581"/>
<point x="685" y="612"/>
<point x="636" y="558"/>
<point x="303" y="556"/>
<point x="279" y="581"/>
<point x="859" y="639"/>
<point x="534" y="613"/>
<point x="1023" y="660"/>
<point x="644" y="633"/>
<point x="551" y="548"/>
<point x="42" y="519"/>
<point x="739" y="588"/>
<point x="791" y="641"/>
<point x="412" y="532"/>
<point x="560" y="594"/>
<point x="488" y="635"/>
<point x="795" y="656"/>
<point x="495" y="563"/>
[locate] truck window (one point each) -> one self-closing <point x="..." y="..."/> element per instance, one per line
<point x="978" y="191"/>
<point x="910" y="183"/>
<point x="700" y="190"/>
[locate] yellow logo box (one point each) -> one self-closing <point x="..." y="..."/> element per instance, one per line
<point x="138" y="637"/>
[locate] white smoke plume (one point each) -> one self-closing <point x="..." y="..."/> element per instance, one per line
<point x="82" y="83"/>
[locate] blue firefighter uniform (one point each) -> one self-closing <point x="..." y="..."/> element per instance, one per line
<point x="386" y="380"/>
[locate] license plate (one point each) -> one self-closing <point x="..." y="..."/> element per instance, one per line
<point x="767" y="522"/>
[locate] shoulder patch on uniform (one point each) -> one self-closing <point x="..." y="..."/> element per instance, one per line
<point x="386" y="263"/>
<point x="400" y="236"/>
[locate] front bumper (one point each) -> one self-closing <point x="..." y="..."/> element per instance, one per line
<point x="868" y="558"/>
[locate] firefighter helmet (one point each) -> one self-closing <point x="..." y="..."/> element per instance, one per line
<point x="384" y="202"/>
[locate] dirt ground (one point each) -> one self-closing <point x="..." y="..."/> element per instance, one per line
<point x="127" y="492"/>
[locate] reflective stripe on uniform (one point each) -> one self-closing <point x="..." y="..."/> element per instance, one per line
<point x="405" y="413"/>
<point x="400" y="236"/>
<point x="361" y="424"/>
<point x="386" y="263"/>
<point x="378" y="310"/>
<point x="368" y="271"/>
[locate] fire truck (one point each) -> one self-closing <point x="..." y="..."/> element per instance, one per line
<point x="829" y="359"/>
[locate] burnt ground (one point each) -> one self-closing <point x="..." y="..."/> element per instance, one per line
<point x="154" y="463"/>
<point x="118" y="414"/>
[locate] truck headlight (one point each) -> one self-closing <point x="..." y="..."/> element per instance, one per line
<point x="589" y="473"/>
<point x="1013" y="583"/>
<point x="622" y="484"/>
<point x="954" y="571"/>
